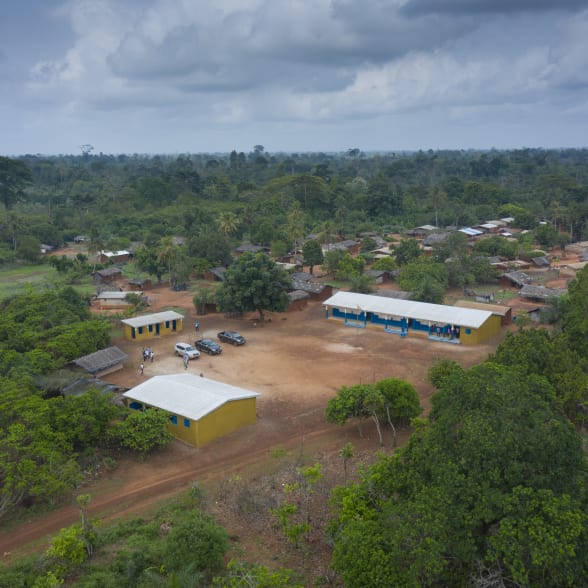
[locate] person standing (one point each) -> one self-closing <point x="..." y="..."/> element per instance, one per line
<point x="186" y="360"/>
<point x="141" y="368"/>
<point x="197" y="326"/>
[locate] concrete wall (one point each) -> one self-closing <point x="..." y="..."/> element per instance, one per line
<point x="150" y="331"/>
<point x="226" y="419"/>
<point x="489" y="330"/>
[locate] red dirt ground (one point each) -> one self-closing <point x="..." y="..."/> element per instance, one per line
<point x="297" y="361"/>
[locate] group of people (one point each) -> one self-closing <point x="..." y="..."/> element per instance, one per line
<point x="445" y="332"/>
<point x="147" y="355"/>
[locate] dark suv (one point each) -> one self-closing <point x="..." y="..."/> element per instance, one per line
<point x="208" y="346"/>
<point x="231" y="337"/>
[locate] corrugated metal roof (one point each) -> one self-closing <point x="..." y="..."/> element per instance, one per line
<point x="102" y="359"/>
<point x="471" y="232"/>
<point x="152" y="319"/>
<point x="422" y="311"/>
<point x="116" y="295"/>
<point x="493" y="308"/>
<point x="187" y="395"/>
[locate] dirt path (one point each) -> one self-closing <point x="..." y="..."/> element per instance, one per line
<point x="297" y="362"/>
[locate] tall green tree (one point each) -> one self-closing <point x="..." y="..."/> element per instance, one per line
<point x="407" y="251"/>
<point x="312" y="253"/>
<point x="575" y="319"/>
<point x="15" y="175"/>
<point x="254" y="282"/>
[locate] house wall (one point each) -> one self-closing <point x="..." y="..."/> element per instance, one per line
<point x="297" y="305"/>
<point x="490" y="329"/>
<point x="115" y="303"/>
<point x="152" y="330"/>
<point x="109" y="370"/>
<point x="226" y="419"/>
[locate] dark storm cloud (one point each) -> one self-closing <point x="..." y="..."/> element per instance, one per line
<point x="271" y="43"/>
<point x="465" y="7"/>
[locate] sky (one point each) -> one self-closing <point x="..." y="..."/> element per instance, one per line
<point x="204" y="76"/>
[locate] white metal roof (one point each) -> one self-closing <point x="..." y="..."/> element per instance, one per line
<point x="422" y="311"/>
<point x="152" y="319"/>
<point x="115" y="253"/>
<point x="187" y="395"/>
<point x="470" y="231"/>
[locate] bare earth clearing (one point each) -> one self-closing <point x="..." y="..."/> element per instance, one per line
<point x="297" y="361"/>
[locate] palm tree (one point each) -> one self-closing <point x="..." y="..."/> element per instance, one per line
<point x="166" y="252"/>
<point x="295" y="226"/>
<point x="227" y="222"/>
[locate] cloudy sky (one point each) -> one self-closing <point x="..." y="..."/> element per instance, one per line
<point x="179" y="76"/>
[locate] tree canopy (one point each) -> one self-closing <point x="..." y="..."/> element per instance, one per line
<point x="496" y="475"/>
<point x="253" y="282"/>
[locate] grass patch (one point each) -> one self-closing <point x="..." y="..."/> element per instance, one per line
<point x="16" y="280"/>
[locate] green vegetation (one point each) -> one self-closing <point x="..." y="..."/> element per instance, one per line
<point x="253" y="282"/>
<point x="489" y="490"/>
<point x="486" y="486"/>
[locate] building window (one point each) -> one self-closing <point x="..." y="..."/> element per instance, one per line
<point x="167" y="324"/>
<point x="150" y="328"/>
<point x="468" y="331"/>
<point x="174" y="419"/>
<point x="187" y="423"/>
<point x="140" y="329"/>
<point x="135" y="405"/>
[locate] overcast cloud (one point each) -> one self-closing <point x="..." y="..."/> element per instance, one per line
<point x="176" y="76"/>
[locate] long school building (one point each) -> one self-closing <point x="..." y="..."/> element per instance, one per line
<point x="438" y="322"/>
<point x="200" y="409"/>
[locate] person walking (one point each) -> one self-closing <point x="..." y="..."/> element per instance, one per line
<point x="186" y="360"/>
<point x="197" y="326"/>
<point x="141" y="368"/>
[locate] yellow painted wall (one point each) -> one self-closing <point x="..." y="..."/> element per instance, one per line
<point x="226" y="419"/>
<point x="149" y="334"/>
<point x="490" y="329"/>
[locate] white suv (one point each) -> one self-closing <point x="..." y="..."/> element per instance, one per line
<point x="187" y="349"/>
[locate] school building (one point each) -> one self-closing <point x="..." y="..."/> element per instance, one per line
<point x="438" y="322"/>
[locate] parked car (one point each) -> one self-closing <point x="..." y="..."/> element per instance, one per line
<point x="208" y="346"/>
<point x="187" y="349"/>
<point x="231" y="337"/>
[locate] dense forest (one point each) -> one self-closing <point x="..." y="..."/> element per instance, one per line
<point x="270" y="198"/>
<point x="490" y="489"/>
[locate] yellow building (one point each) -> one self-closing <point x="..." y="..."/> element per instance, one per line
<point x="407" y="318"/>
<point x="200" y="409"/>
<point x="153" y="325"/>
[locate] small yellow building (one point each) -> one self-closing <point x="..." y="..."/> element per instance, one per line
<point x="153" y="325"/>
<point x="200" y="409"/>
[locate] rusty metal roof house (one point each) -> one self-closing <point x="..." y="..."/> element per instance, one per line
<point x="542" y="261"/>
<point x="104" y="361"/>
<point x="250" y="248"/>
<point x="518" y="279"/>
<point x="540" y="292"/>
<point x="106" y="275"/>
